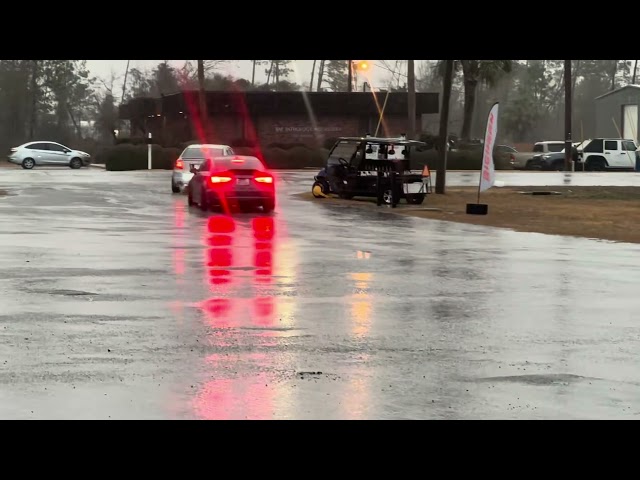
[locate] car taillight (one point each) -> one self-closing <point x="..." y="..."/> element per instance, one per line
<point x="218" y="180"/>
<point x="264" y="179"/>
<point x="179" y="164"/>
<point x="14" y="150"/>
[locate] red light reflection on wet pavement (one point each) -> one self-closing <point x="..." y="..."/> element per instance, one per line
<point x="238" y="259"/>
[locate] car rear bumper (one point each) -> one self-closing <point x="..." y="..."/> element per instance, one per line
<point x="216" y="199"/>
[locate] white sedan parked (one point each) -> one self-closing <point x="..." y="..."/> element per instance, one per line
<point x="31" y="154"/>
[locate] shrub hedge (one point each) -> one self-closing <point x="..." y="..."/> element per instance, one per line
<point x="134" y="157"/>
<point x="456" y="160"/>
<point x="291" y="158"/>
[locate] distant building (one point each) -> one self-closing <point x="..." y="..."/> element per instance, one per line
<point x="617" y="113"/>
<point x="273" y="117"/>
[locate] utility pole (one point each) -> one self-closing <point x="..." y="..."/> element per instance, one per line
<point x="567" y="115"/>
<point x="34" y="98"/>
<point x="635" y="69"/>
<point x="253" y="73"/>
<point x="350" y="76"/>
<point x="313" y="70"/>
<point x="411" y="100"/>
<point x="202" y="95"/>
<point x="444" y="124"/>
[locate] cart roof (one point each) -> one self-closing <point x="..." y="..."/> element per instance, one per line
<point x="384" y="140"/>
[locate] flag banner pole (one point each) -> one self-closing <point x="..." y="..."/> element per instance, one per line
<point x="488" y="169"/>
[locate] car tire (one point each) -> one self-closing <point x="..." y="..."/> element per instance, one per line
<point x="204" y="204"/>
<point x="415" y="198"/>
<point x="190" y="200"/>
<point x="269" y="205"/>
<point x="558" y="166"/>
<point x="28" y="163"/>
<point x="75" y="163"/>
<point x="320" y="189"/>
<point x="175" y="188"/>
<point x="596" y="165"/>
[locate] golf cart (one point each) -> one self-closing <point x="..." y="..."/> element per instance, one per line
<point x="372" y="167"/>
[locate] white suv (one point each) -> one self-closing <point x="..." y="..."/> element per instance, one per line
<point x="30" y="154"/>
<point x="607" y="154"/>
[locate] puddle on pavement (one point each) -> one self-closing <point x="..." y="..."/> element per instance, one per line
<point x="70" y="293"/>
<point x="316" y="376"/>
<point x="542" y="380"/>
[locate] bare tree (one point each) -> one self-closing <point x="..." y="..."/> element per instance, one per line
<point x="213" y="65"/>
<point x="313" y="70"/>
<point x="411" y="101"/>
<point x="320" y="74"/>
<point x="447" y="81"/>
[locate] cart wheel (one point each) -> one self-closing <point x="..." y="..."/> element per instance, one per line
<point x="415" y="198"/>
<point x="387" y="197"/>
<point x="319" y="189"/>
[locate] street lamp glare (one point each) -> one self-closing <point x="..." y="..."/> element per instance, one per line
<point x="361" y="66"/>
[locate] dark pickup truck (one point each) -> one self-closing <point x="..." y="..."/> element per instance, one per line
<point x="552" y="161"/>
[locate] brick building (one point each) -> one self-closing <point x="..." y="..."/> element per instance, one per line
<point x="272" y="117"/>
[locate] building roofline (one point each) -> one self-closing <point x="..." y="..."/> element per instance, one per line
<point x="617" y="90"/>
<point x="296" y="102"/>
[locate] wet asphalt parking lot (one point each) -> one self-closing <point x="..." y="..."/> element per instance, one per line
<point x="118" y="301"/>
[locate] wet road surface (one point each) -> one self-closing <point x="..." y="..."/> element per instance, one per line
<point x="118" y="301"/>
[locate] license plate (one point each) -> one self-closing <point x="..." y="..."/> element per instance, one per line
<point x="243" y="181"/>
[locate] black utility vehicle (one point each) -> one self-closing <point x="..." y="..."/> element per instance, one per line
<point x="372" y="167"/>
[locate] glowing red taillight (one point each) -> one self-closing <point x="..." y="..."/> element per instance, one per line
<point x="218" y="180"/>
<point x="179" y="164"/>
<point x="264" y="179"/>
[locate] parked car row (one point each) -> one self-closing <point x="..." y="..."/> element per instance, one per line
<point x="598" y="154"/>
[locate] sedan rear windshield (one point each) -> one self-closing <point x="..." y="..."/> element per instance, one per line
<point x="221" y="164"/>
<point x="199" y="153"/>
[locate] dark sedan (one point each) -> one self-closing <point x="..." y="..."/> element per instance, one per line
<point x="226" y="182"/>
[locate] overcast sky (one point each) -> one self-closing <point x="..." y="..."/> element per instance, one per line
<point x="239" y="68"/>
